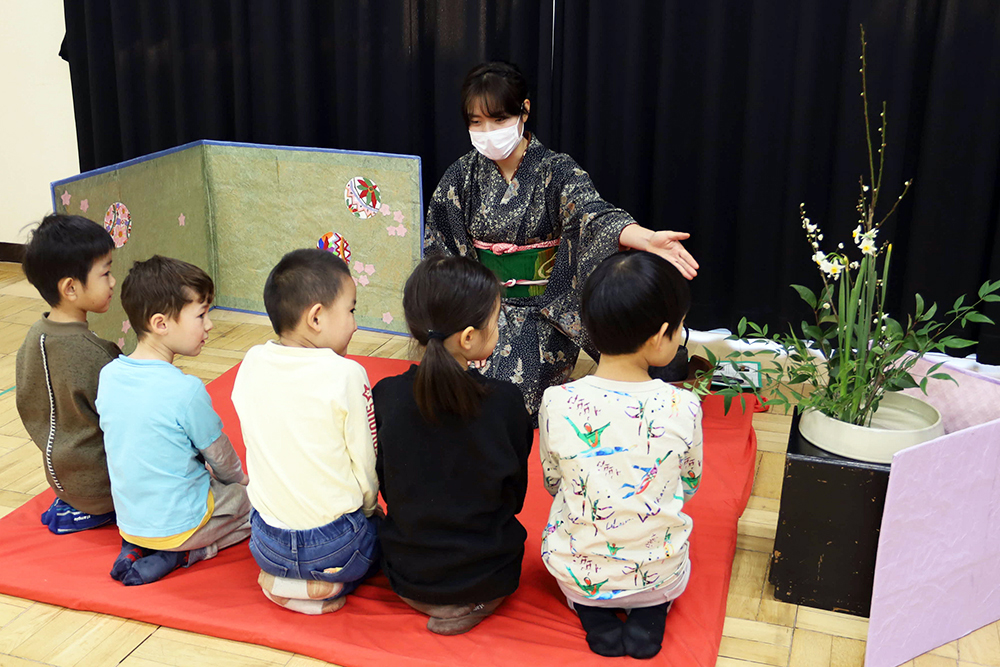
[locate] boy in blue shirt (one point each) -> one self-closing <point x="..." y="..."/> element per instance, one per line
<point x="160" y="431"/>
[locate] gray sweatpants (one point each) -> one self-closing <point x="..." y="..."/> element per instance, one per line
<point x="229" y="525"/>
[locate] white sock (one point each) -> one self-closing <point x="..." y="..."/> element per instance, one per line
<point x="311" y="607"/>
<point x="290" y="588"/>
<point x="298" y="589"/>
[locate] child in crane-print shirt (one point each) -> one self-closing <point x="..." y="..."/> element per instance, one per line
<point x="622" y="454"/>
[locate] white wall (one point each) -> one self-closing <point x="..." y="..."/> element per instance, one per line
<point x="37" y="130"/>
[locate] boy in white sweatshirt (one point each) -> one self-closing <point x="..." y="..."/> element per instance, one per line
<point x="308" y="425"/>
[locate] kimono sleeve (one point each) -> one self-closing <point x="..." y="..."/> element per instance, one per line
<point x="445" y="231"/>
<point x="591" y="228"/>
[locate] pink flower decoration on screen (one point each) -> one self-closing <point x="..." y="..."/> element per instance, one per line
<point x="401" y="230"/>
<point x="369" y="269"/>
<point x="363" y="280"/>
<point x="391" y="230"/>
<point x="359" y="266"/>
<point x="121" y="342"/>
<point x="66" y="197"/>
<point x="398" y="216"/>
<point x="181" y="219"/>
<point x="84" y="205"/>
<point x="387" y="317"/>
<point x="126" y="325"/>
<point x="385" y="210"/>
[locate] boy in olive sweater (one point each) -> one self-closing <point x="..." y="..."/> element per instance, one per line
<point x="68" y="260"/>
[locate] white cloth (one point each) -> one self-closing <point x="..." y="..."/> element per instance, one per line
<point x="309" y="429"/>
<point x="621" y="459"/>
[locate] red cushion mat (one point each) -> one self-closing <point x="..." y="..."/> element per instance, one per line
<point x="221" y="597"/>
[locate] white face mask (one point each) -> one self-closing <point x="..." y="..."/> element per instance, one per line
<point x="498" y="144"/>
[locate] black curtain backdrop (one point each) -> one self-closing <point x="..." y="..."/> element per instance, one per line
<point x="363" y="75"/>
<point x="716" y="118"/>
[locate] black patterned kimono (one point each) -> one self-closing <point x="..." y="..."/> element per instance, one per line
<point x="550" y="197"/>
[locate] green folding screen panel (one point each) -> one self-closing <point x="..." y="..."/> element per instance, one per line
<point x="235" y="209"/>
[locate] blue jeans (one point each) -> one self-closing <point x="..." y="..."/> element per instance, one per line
<point x="349" y="542"/>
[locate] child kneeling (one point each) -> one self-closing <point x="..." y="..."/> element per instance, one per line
<point x="68" y="260"/>
<point x="622" y="454"/>
<point x="308" y="425"/>
<point x="160" y="431"/>
<point x="453" y="453"/>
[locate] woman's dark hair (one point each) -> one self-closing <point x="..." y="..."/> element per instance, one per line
<point x="443" y="296"/>
<point x="499" y="86"/>
<point x="627" y="299"/>
<point x="63" y="246"/>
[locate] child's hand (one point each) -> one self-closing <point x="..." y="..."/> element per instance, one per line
<point x="379" y="512"/>
<point x="245" y="480"/>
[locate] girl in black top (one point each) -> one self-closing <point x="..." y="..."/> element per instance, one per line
<point x="453" y="454"/>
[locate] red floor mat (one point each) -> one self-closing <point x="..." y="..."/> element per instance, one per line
<point x="221" y="598"/>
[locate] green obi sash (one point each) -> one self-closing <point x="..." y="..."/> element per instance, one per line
<point x="535" y="264"/>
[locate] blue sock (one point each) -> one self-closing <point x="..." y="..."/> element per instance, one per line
<point x="154" y="567"/>
<point x="63" y="518"/>
<point x="130" y="553"/>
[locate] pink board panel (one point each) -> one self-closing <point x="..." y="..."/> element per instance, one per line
<point x="936" y="577"/>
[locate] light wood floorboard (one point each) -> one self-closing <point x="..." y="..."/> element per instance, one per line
<point x="759" y="630"/>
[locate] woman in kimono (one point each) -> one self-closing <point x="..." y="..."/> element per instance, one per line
<point x="534" y="217"/>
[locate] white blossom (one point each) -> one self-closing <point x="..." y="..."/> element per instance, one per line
<point x="831" y="268"/>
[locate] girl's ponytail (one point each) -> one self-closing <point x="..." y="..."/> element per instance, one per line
<point x="443" y="296"/>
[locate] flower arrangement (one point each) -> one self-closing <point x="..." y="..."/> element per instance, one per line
<point x="853" y="352"/>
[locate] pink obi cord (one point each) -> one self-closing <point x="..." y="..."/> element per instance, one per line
<point x="508" y="248"/>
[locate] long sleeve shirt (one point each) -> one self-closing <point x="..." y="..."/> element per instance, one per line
<point x="58" y="366"/>
<point x="452" y="491"/>
<point x="308" y="425"/>
<point x="621" y="459"/>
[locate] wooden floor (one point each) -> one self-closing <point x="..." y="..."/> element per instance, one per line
<point x="759" y="630"/>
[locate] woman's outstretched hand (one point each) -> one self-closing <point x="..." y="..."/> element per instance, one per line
<point x="666" y="244"/>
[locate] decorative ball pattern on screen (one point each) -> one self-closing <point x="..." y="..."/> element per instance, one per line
<point x="362" y="197"/>
<point x="337" y="244"/>
<point x="118" y="223"/>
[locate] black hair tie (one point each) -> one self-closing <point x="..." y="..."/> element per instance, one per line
<point x="435" y="335"/>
